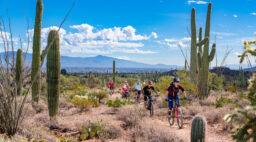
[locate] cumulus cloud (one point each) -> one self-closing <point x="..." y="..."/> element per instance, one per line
<point x="197" y="2"/>
<point x="88" y="39"/>
<point x="175" y="42"/>
<point x="235" y="15"/>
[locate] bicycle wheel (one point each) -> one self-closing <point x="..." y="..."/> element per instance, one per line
<point x="171" y="118"/>
<point x="151" y="109"/>
<point x="180" y="118"/>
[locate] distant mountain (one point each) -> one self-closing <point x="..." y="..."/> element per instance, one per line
<point x="103" y="62"/>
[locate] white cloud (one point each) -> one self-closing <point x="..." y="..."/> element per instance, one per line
<point x="197" y="2"/>
<point x="175" y="42"/>
<point x="253" y="13"/>
<point x="223" y="34"/>
<point x="88" y="39"/>
<point x="235" y="15"/>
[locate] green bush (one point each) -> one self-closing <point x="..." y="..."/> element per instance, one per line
<point x="82" y="103"/>
<point x="93" y="99"/>
<point x="223" y="101"/>
<point x="100" y="95"/>
<point x="118" y="103"/>
<point x="215" y="82"/>
<point x="93" y="130"/>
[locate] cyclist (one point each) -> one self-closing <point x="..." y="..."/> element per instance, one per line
<point x="111" y="86"/>
<point x="147" y="91"/>
<point x="172" y="94"/>
<point x="125" y="88"/>
<point x="138" y="88"/>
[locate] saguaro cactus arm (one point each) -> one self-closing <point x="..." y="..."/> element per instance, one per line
<point x="212" y="53"/>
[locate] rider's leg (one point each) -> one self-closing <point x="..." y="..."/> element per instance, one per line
<point x="177" y="99"/>
<point x="139" y="93"/>
<point x="170" y="105"/>
<point x="145" y="100"/>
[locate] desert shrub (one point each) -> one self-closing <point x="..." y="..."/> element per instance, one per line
<point x="63" y="139"/>
<point x="98" y="130"/>
<point x="68" y="80"/>
<point x="100" y="95"/>
<point x="131" y="116"/>
<point x="118" y="103"/>
<point x="231" y="88"/>
<point x="83" y="103"/>
<point x="185" y="82"/>
<point x="222" y="101"/>
<point x="93" y="99"/>
<point x="215" y="82"/>
<point x="147" y="132"/>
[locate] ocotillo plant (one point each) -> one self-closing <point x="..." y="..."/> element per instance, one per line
<point x="199" y="64"/>
<point x="19" y="68"/>
<point x="198" y="129"/>
<point x="114" y="71"/>
<point x="36" y="58"/>
<point x="53" y="75"/>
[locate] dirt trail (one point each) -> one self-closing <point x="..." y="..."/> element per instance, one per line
<point x="36" y="124"/>
<point x="214" y="134"/>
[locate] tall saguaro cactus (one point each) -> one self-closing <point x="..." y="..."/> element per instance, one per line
<point x="36" y="57"/>
<point x="53" y="75"/>
<point x="114" y="71"/>
<point x="193" y="52"/>
<point x="200" y="59"/>
<point x="198" y="129"/>
<point x="19" y="68"/>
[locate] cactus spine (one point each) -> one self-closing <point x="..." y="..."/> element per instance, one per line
<point x="200" y="61"/>
<point x="53" y="75"/>
<point x="198" y="129"/>
<point x="114" y="71"/>
<point x="19" y="68"/>
<point x="36" y="58"/>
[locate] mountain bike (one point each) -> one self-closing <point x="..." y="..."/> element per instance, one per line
<point x="125" y="94"/>
<point x="177" y="114"/>
<point x="150" y="105"/>
<point x="137" y="96"/>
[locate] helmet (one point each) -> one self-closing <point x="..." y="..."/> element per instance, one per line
<point x="125" y="82"/>
<point x="137" y="80"/>
<point x="176" y="79"/>
<point x="149" y="82"/>
<point x="111" y="81"/>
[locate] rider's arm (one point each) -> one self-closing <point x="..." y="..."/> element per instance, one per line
<point x="183" y="90"/>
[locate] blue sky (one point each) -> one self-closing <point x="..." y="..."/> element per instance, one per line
<point x="146" y="31"/>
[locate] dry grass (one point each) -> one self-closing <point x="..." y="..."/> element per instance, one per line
<point x="131" y="115"/>
<point x="150" y="131"/>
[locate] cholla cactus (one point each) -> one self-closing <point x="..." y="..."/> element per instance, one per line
<point x="245" y="119"/>
<point x="198" y="129"/>
<point x="247" y="49"/>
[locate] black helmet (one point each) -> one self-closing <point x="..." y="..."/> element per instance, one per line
<point x="176" y="79"/>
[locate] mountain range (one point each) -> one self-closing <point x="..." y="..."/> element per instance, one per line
<point x="102" y="63"/>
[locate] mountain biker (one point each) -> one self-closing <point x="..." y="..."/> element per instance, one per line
<point x="111" y="86"/>
<point x="138" y="88"/>
<point x="125" y="88"/>
<point x="172" y="94"/>
<point x="147" y="91"/>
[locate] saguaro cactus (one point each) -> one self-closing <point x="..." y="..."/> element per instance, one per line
<point x="36" y="58"/>
<point x="19" y="68"/>
<point x="199" y="62"/>
<point x="114" y="71"/>
<point x="206" y="59"/>
<point x="53" y="75"/>
<point x="198" y="129"/>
